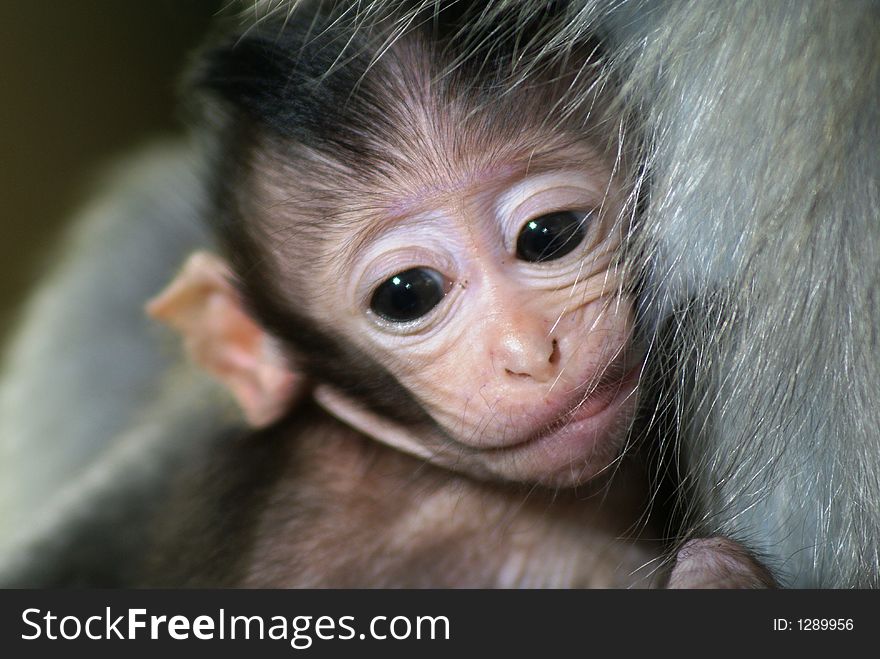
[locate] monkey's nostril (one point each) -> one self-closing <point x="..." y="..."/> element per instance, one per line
<point x="554" y="354"/>
<point x="519" y="375"/>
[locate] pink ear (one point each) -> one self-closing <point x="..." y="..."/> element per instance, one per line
<point x="205" y="308"/>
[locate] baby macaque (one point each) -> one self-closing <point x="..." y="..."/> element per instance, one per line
<point x="423" y="312"/>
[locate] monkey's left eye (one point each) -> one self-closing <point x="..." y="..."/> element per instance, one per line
<point x="551" y="236"/>
<point x="408" y="295"/>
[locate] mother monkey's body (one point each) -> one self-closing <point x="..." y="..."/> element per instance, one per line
<point x="763" y="229"/>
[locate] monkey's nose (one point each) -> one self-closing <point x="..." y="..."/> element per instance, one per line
<point x="533" y="356"/>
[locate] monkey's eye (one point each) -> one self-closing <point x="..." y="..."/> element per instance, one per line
<point x="408" y="295"/>
<point x="550" y="236"/>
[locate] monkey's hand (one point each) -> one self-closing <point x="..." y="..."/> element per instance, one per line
<point x="718" y="563"/>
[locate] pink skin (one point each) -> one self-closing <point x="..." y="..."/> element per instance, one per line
<point x="526" y="368"/>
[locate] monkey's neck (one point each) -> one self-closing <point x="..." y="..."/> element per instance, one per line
<point x="345" y="511"/>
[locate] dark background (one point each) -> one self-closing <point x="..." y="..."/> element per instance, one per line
<point x="81" y="84"/>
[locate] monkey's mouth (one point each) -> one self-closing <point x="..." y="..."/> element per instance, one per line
<point x="587" y="436"/>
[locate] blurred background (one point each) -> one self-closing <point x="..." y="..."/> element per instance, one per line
<point x="81" y="84"/>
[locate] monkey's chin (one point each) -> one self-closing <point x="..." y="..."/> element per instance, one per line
<point x="578" y="448"/>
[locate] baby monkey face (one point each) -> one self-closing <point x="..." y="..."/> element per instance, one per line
<point x="433" y="242"/>
<point x="495" y="300"/>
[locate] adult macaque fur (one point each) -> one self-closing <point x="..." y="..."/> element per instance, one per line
<point x="96" y="414"/>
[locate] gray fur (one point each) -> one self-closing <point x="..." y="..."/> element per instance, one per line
<point x="764" y="226"/>
<point x="85" y="368"/>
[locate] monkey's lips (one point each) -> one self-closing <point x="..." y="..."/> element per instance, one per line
<point x="582" y="440"/>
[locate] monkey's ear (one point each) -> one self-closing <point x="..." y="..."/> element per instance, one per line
<point x="219" y="335"/>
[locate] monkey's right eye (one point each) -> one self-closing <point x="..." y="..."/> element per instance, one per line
<point x="408" y="295"/>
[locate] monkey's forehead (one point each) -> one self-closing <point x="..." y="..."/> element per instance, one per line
<point x="334" y="86"/>
<point x="311" y="192"/>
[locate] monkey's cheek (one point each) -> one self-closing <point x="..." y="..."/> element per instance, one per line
<point x="579" y="450"/>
